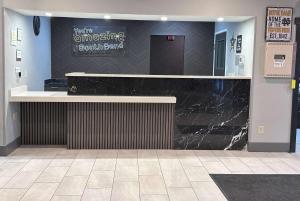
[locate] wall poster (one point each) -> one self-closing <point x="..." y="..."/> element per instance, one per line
<point x="99" y="41"/>
<point x="279" y="24"/>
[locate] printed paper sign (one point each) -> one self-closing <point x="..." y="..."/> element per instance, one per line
<point x="279" y="24"/>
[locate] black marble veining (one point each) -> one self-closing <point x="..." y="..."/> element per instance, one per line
<point x="210" y="113"/>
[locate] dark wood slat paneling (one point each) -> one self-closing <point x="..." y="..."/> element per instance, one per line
<point x="44" y="123"/>
<point x="120" y="126"/>
<point x="98" y="125"/>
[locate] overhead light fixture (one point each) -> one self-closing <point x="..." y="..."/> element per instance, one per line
<point x="220" y="19"/>
<point x="164" y="18"/>
<point x="107" y="17"/>
<point x="48" y="14"/>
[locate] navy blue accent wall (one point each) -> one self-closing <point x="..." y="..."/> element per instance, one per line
<point x="198" y="56"/>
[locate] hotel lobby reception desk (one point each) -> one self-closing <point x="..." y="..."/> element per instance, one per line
<point x="96" y="122"/>
<point x="139" y="112"/>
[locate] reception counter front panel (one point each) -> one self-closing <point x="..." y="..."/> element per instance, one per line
<point x="98" y="125"/>
<point x="44" y="123"/>
<point x="120" y="126"/>
<point x="140" y="112"/>
<point x="95" y="122"/>
<point x="211" y="113"/>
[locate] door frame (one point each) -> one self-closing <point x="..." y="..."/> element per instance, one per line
<point x="214" y="56"/>
<point x="166" y="35"/>
<point x="294" y="118"/>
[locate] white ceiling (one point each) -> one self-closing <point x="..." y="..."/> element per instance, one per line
<point x="135" y="17"/>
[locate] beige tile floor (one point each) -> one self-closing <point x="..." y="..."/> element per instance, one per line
<point x="58" y="174"/>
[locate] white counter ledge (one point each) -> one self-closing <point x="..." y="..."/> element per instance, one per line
<point x="20" y="94"/>
<point x="82" y="74"/>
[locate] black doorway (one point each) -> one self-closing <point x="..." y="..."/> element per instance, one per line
<point x="220" y="54"/>
<point x="167" y="55"/>
<point x="295" y="126"/>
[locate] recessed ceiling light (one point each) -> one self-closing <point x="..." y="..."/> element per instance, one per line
<point x="107" y="17"/>
<point x="220" y="19"/>
<point x="48" y="14"/>
<point x="164" y="18"/>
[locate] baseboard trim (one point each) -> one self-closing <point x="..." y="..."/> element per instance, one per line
<point x="6" y="150"/>
<point x="268" y="147"/>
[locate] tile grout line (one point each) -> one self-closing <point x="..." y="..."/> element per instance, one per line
<point x="281" y="159"/>
<point x="148" y="175"/>
<point x="7" y="161"/>
<point x="219" y="159"/>
<point x="233" y="172"/>
<point x="88" y="179"/>
<point x="62" y="177"/>
<point x="215" y="161"/>
<point x="33" y="181"/>
<point x="275" y="171"/>
<point x="139" y="175"/>
<point x="112" y="188"/>
<point x="66" y="173"/>
<point x="187" y="176"/>
<point x="252" y="171"/>
<point x="198" y="158"/>
<point x="266" y="164"/>
<point x="162" y="173"/>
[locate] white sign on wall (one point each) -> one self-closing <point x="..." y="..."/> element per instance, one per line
<point x="19" y="34"/>
<point x="279" y="24"/>
<point x="13" y="37"/>
<point x="279" y="60"/>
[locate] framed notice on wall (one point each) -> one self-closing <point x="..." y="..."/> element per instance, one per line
<point x="279" y="24"/>
<point x="99" y="40"/>
<point x="239" y="40"/>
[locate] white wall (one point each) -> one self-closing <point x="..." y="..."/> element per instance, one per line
<point x="270" y="98"/>
<point x="35" y="64"/>
<point x="247" y="30"/>
<point x="1" y="77"/>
